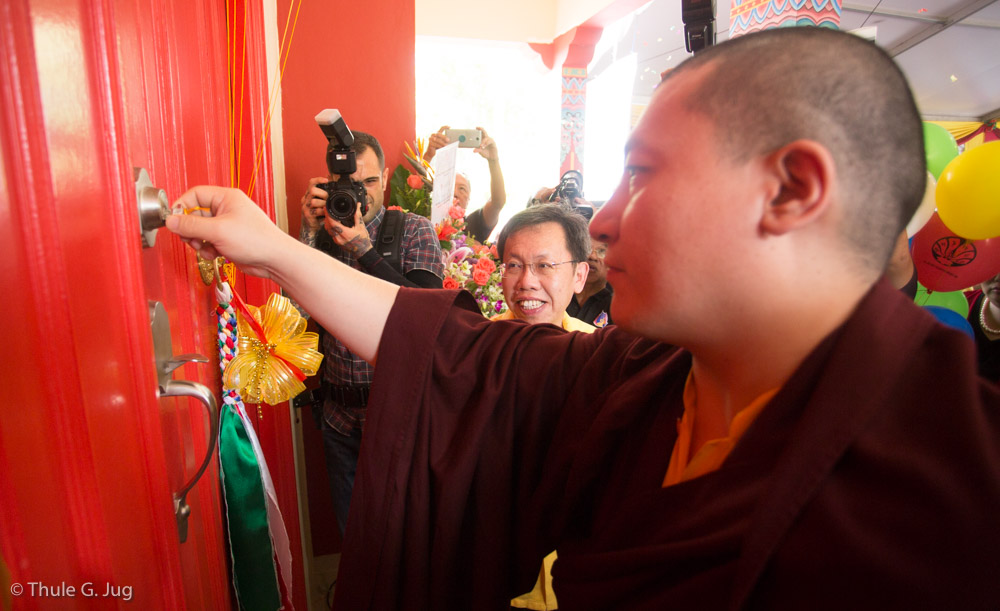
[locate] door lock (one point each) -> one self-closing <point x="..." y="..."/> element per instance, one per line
<point x="152" y="204"/>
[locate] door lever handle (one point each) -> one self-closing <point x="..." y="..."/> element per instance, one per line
<point x="186" y="388"/>
<point x="182" y="359"/>
<point x="166" y="362"/>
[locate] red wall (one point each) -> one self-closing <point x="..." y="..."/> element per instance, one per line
<point x="358" y="58"/>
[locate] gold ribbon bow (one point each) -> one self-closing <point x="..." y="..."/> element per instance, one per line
<point x="275" y="353"/>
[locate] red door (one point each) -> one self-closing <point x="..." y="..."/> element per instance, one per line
<point x="90" y="458"/>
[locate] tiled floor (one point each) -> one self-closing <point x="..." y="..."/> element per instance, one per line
<point x="324" y="573"/>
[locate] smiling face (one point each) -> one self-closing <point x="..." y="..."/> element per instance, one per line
<point x="540" y="298"/>
<point x="679" y="224"/>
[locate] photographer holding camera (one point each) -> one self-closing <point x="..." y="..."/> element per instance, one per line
<point x="343" y="215"/>
<point x="569" y="192"/>
<point x="481" y="222"/>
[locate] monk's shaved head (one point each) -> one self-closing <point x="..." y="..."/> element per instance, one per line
<point x="787" y="84"/>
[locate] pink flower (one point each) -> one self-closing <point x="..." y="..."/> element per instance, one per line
<point x="450" y="283"/>
<point x="456" y="212"/>
<point x="486" y="264"/>
<point x="493" y="251"/>
<point x="458" y="255"/>
<point x="481" y="276"/>
<point x="394" y="208"/>
<point x="414" y="182"/>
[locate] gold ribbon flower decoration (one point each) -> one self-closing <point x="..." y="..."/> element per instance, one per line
<point x="275" y="353"/>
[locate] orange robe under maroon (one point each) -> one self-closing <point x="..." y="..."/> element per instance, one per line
<point x="870" y="481"/>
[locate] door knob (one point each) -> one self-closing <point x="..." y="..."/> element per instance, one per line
<point x="152" y="205"/>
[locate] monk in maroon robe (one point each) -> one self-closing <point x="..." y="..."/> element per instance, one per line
<point x="771" y="426"/>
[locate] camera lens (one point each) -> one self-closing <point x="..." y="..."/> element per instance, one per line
<point x="342" y="204"/>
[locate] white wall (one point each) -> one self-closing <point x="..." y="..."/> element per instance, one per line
<point x="520" y="20"/>
<point x="512" y="20"/>
<point x="504" y="88"/>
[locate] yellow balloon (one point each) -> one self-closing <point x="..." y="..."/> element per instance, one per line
<point x="968" y="193"/>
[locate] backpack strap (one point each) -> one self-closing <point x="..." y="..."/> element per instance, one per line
<point x="390" y="238"/>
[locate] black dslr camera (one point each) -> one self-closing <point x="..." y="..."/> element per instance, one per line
<point x="569" y="189"/>
<point x="343" y="195"/>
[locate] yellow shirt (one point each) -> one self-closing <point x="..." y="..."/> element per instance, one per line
<point x="710" y="456"/>
<point x="542" y="597"/>
<point x="568" y="322"/>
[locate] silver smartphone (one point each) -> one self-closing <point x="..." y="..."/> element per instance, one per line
<point x="466" y="138"/>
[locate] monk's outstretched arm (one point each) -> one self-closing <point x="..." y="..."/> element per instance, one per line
<point x="351" y="305"/>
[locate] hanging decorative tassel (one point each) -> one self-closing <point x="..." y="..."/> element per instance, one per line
<point x="256" y="530"/>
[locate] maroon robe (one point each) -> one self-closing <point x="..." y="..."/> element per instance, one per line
<point x="871" y="480"/>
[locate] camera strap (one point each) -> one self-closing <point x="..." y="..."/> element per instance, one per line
<point x="390" y="238"/>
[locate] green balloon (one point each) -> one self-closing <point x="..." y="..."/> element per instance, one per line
<point x="953" y="300"/>
<point x="939" y="147"/>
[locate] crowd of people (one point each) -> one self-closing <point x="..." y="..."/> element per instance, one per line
<point x="769" y="422"/>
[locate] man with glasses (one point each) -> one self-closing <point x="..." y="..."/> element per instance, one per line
<point x="544" y="252"/>
<point x="593" y="303"/>
<point x="543" y="249"/>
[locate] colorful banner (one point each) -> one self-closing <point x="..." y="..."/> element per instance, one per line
<point x="747" y="16"/>
<point x="574" y="102"/>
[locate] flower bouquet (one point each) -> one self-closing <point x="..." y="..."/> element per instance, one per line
<point x="410" y="190"/>
<point x="470" y="265"/>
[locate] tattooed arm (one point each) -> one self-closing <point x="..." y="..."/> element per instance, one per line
<point x="356" y="241"/>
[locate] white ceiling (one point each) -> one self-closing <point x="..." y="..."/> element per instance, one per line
<point x="949" y="49"/>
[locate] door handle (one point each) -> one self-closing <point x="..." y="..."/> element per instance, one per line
<point x="186" y="388"/>
<point x="166" y="363"/>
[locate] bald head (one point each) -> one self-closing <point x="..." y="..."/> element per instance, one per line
<point x="774" y="87"/>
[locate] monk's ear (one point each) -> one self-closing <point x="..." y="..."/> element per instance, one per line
<point x="802" y="173"/>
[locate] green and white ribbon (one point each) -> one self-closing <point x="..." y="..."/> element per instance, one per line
<point x="257" y="533"/>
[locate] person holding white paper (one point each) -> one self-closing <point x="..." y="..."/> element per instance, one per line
<point x="481" y="222"/>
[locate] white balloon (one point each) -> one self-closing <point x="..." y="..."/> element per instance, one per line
<point x="925" y="210"/>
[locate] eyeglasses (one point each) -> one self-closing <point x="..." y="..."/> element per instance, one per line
<point x="543" y="269"/>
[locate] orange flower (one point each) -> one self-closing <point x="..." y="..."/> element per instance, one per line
<point x="481" y="276"/>
<point x="394" y="208"/>
<point x="414" y="182"/>
<point x="493" y="251"/>
<point x="486" y="264"/>
<point x="450" y="283"/>
<point x="445" y="231"/>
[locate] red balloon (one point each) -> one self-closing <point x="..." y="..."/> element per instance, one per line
<point x="947" y="262"/>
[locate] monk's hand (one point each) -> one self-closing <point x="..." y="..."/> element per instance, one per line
<point x="216" y="221"/>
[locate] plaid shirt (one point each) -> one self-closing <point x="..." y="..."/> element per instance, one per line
<point x="419" y="249"/>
